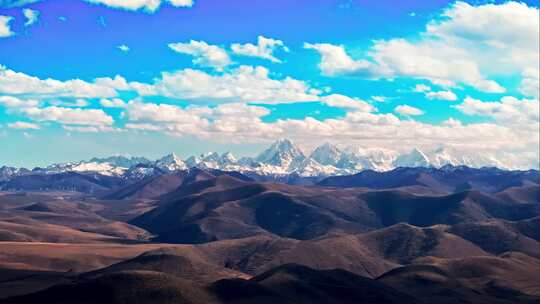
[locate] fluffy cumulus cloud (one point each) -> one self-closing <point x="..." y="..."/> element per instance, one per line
<point x="112" y="103"/>
<point x="335" y="61"/>
<point x="204" y="54"/>
<point x="530" y="84"/>
<point x="342" y="101"/>
<point x="31" y="16"/>
<point x="5" y="29"/>
<point x="146" y="5"/>
<point x="226" y="121"/>
<point x="116" y="83"/>
<point x="23" y="125"/>
<point x="245" y="83"/>
<point x="422" y="88"/>
<point x="463" y="45"/>
<point x="509" y="110"/>
<point x="166" y="118"/>
<point x="14" y="102"/>
<point x="69" y="116"/>
<point x="264" y="48"/>
<point x="150" y="112"/>
<point x="442" y="95"/>
<point x="20" y="84"/>
<point x="77" y="103"/>
<point x="406" y="110"/>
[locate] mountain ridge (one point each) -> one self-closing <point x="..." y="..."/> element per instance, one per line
<point x="282" y="158"/>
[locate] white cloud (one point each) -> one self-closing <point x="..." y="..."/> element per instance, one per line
<point x="78" y="103"/>
<point x="22" y="125"/>
<point x="124" y="48"/>
<point x="16" y="83"/>
<point x="264" y="48"/>
<point x="5" y="29"/>
<point x="150" y="112"/>
<point x="335" y="61"/>
<point x="204" y="122"/>
<point x="510" y="29"/>
<point x="147" y="5"/>
<point x="205" y="54"/>
<point x="14" y="102"/>
<point x="112" y="103"/>
<point x="464" y="45"/>
<point x="442" y="95"/>
<point x="31" y="16"/>
<point x="407" y="110"/>
<point x="167" y="118"/>
<point x="342" y="101"/>
<point x="422" y="88"/>
<point x="245" y="83"/>
<point x="431" y="60"/>
<point x="509" y="110"/>
<point x="143" y="127"/>
<point x="530" y="84"/>
<point x="69" y="116"/>
<point x="181" y="3"/>
<point x="236" y="109"/>
<point x="451" y="122"/>
<point x="117" y="83"/>
<point x="90" y="129"/>
<point x="379" y="98"/>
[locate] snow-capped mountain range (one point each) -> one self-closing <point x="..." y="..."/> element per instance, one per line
<point x="281" y="158"/>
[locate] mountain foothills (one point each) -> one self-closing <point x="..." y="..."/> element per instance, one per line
<point x="332" y="227"/>
<point x="280" y="160"/>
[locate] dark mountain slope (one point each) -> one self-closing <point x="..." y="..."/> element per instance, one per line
<point x="306" y="285"/>
<point x="148" y="188"/>
<point x="403" y="243"/>
<point x="511" y="278"/>
<point x="394" y="206"/>
<point x="62" y="220"/>
<point x="187" y="266"/>
<point x="224" y="207"/>
<point x="497" y="237"/>
<point x="139" y="287"/>
<point x="449" y="179"/>
<point x="68" y="181"/>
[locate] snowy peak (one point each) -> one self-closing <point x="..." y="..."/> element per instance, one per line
<point x="121" y="161"/>
<point x="140" y="171"/>
<point x="210" y="157"/>
<point x="171" y="163"/>
<point x="8" y="172"/>
<point x="283" y="157"/>
<point x="327" y="154"/>
<point x="94" y="167"/>
<point x="192" y="161"/>
<point x="415" y="158"/>
<point x="310" y="167"/>
<point x="228" y="158"/>
<point x="282" y="153"/>
<point x="443" y="156"/>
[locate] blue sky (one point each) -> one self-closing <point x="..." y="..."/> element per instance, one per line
<point x="235" y="75"/>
